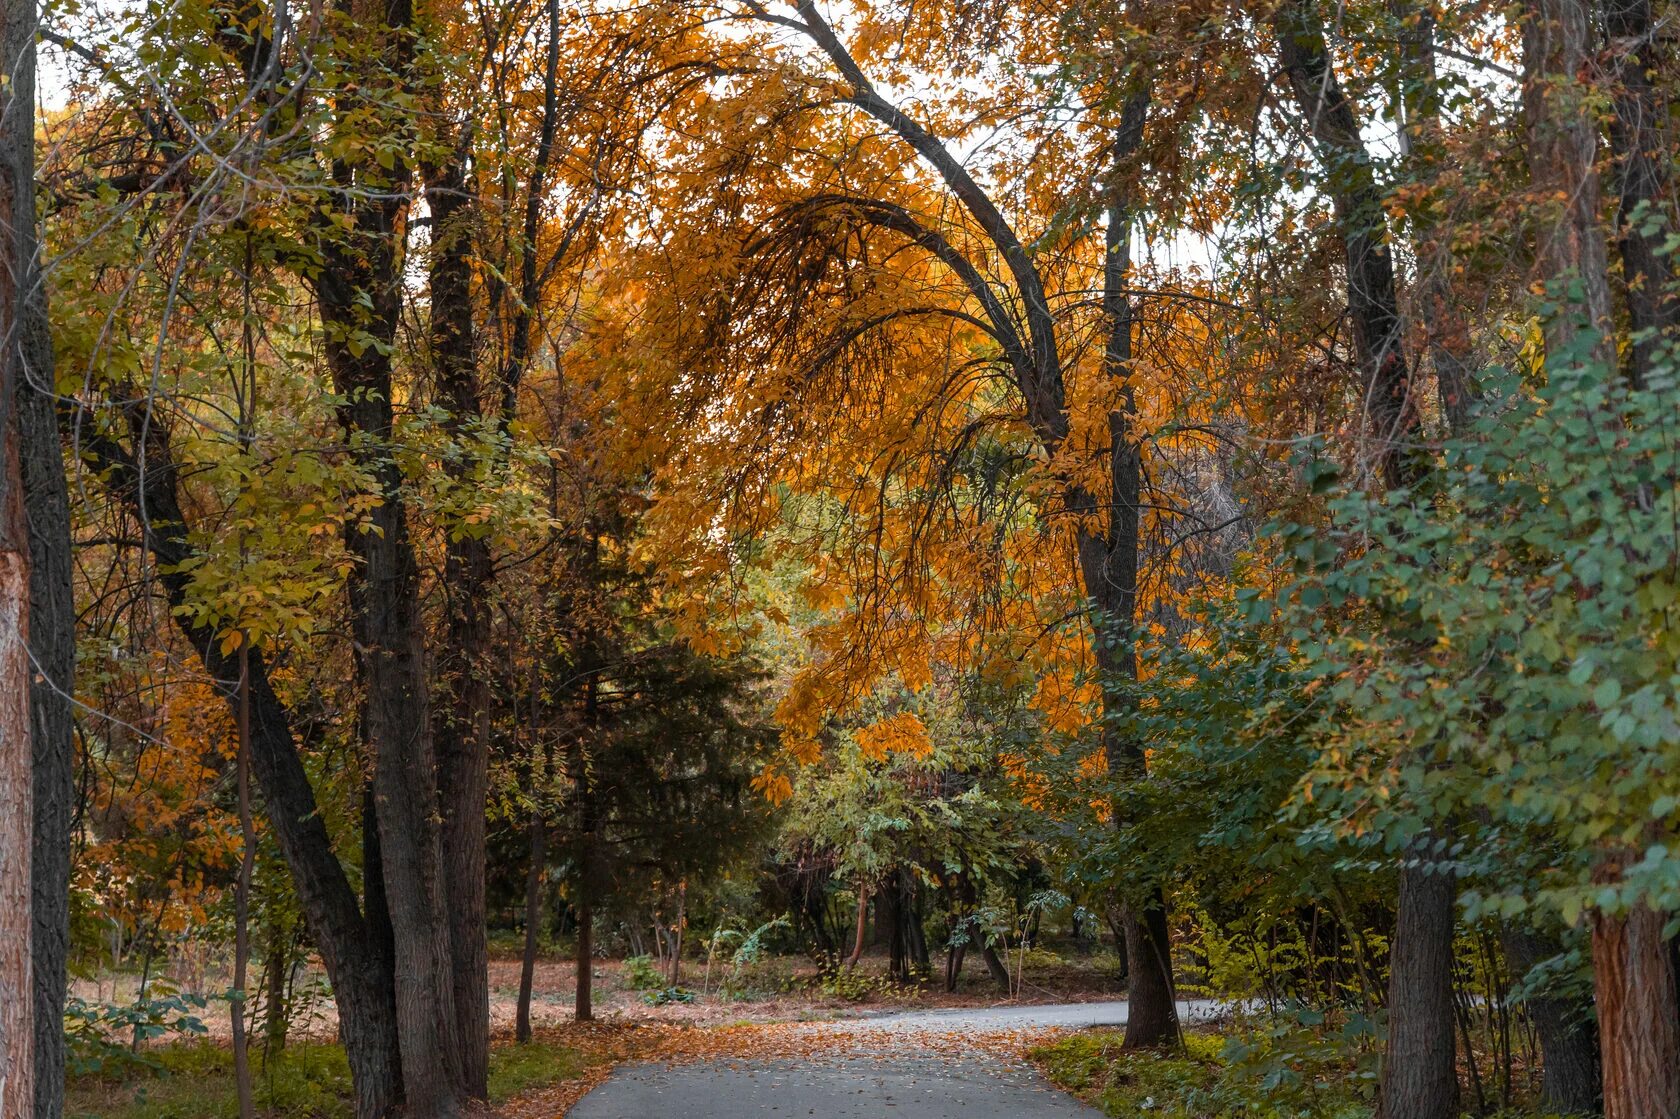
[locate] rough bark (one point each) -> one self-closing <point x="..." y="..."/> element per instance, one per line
<point x="1568" y="1035"/>
<point x="1419" y="1077"/>
<point x="1562" y="142"/>
<point x="1638" y="1006"/>
<point x="52" y="636"/>
<point x="358" y="290"/>
<point x="1645" y="212"/>
<point x="1639" y="1021"/>
<point x="533" y="925"/>
<point x="17" y="1003"/>
<point x="463" y="729"/>
<point x="360" y="972"/>
<point x="17" y="798"/>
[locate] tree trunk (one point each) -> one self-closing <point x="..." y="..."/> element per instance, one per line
<point x="1419" y="1078"/>
<point x="954" y="965"/>
<point x="1562" y="135"/>
<point x="995" y="968"/>
<point x="917" y="936"/>
<point x="1109" y="566"/>
<point x="359" y="293"/>
<point x="1373" y="306"/>
<point x="1570" y="1077"/>
<point x="862" y="925"/>
<point x="463" y="732"/>
<point x="277" y="968"/>
<point x="242" y="895"/>
<point x="1151" y="1011"/>
<point x="584" y="1010"/>
<point x="1639" y="1021"/>
<point x="17" y="798"/>
<point x="359" y="968"/>
<point x="533" y="926"/>
<point x="52" y="629"/>
<point x="1645" y="214"/>
<point x="1439" y="310"/>
<point x="889" y="912"/>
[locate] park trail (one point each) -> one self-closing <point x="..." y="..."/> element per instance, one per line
<point x="936" y="1064"/>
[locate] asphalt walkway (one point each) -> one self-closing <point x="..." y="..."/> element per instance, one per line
<point x="893" y="1078"/>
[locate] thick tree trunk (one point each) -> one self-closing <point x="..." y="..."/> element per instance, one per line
<point x="1419" y="1077"/>
<point x="463" y="731"/>
<point x="533" y="926"/>
<point x="1562" y="142"/>
<point x="387" y="624"/>
<point x="1151" y="1010"/>
<point x="32" y="442"/>
<point x="17" y="798"/>
<point x="17" y="804"/>
<point x="359" y="293"/>
<point x="52" y="629"/>
<point x="1570" y="1078"/>
<point x="1645" y="212"/>
<point x="242" y="897"/>
<point x="1639" y="1021"/>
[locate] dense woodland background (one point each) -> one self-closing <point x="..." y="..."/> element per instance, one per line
<point x="1186" y="481"/>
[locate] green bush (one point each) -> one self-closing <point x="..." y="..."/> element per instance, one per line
<point x="640" y="974"/>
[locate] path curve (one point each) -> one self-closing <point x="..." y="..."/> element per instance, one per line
<point x="881" y="1068"/>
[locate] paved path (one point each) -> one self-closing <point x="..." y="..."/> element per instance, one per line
<point x="895" y="1079"/>
<point x="1000" y="1019"/>
<point x="885" y="1087"/>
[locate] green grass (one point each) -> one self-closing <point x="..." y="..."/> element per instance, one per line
<point x="305" y="1081"/>
<point x="1201" y="1082"/>
<point x="519" y="1068"/>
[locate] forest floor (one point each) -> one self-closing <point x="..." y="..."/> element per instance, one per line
<point x="777" y="1010"/>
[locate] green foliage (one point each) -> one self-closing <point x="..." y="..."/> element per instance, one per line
<point x="196" y="1082"/>
<point x="103" y="1038"/>
<point x="1258" y="1077"/>
<point x="640" y="973"/>
<point x="663" y="996"/>
<point x="1501" y="645"/>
